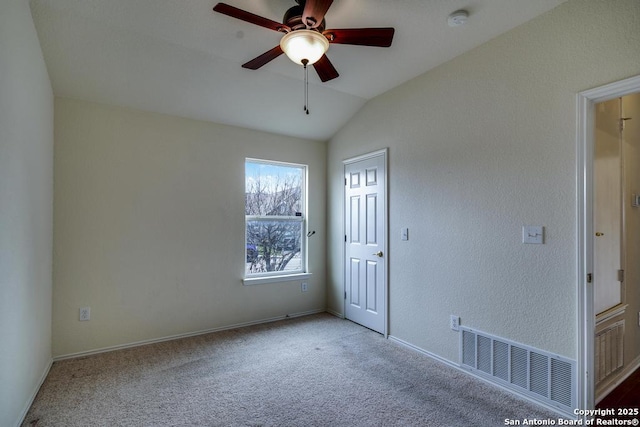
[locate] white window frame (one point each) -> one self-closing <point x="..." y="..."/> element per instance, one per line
<point x="290" y="275"/>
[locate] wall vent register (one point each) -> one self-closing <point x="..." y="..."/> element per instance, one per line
<point x="540" y="375"/>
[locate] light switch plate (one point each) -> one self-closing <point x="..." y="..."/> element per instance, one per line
<point x="533" y="234"/>
<point x="404" y="234"/>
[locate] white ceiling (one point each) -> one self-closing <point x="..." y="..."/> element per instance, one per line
<point x="178" y="57"/>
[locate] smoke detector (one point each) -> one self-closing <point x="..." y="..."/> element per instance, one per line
<point x="458" y="18"/>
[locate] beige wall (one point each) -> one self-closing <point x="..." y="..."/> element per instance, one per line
<point x="607" y="212"/>
<point x="478" y="148"/>
<point x="631" y="141"/>
<point x="149" y="226"/>
<point x="26" y="204"/>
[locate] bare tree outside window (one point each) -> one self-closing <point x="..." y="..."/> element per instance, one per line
<point x="274" y="217"/>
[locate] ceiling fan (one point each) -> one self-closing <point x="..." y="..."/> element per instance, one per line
<point x="306" y="40"/>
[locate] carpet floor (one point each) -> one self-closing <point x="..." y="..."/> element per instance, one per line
<point x="316" y="370"/>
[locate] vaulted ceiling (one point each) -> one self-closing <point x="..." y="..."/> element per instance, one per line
<point x="178" y="57"/>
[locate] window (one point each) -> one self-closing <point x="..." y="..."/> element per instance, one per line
<point x="275" y="218"/>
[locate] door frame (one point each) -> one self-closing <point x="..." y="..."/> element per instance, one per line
<point x="384" y="154"/>
<point x="586" y="101"/>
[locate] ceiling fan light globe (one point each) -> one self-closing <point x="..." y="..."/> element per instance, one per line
<point x="304" y="44"/>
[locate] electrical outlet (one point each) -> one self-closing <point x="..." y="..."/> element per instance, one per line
<point x="85" y="314"/>
<point x="304" y="286"/>
<point x="454" y="322"/>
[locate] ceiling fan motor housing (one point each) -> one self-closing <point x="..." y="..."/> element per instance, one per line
<point x="293" y="18"/>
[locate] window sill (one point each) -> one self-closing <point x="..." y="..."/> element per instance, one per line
<point x="275" y="279"/>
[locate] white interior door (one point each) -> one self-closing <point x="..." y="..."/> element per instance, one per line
<point x="365" y="241"/>
<point x="607" y="212"/>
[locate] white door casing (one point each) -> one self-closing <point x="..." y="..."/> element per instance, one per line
<point x="365" y="225"/>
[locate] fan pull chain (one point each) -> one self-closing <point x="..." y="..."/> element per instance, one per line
<point x="306" y="85"/>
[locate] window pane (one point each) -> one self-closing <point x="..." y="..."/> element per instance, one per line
<point x="273" y="189"/>
<point x="273" y="246"/>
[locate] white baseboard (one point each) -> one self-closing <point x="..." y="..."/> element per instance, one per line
<point x="185" y="335"/>
<point x="425" y="352"/>
<point x="485" y="380"/>
<point x="615" y="382"/>
<point x="335" y="313"/>
<point x="34" y="393"/>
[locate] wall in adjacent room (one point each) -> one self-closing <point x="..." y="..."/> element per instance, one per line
<point x="149" y="227"/>
<point x="479" y="147"/>
<point x="26" y="205"/>
<point x="631" y="144"/>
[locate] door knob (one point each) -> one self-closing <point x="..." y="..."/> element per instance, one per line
<point x="378" y="254"/>
<point x="598" y="234"/>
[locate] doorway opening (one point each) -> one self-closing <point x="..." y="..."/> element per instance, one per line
<point x="606" y="256"/>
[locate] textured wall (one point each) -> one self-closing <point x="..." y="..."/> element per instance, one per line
<point x="479" y="147"/>
<point x="149" y="226"/>
<point x="26" y="205"/>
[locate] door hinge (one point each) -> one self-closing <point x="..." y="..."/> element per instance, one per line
<point x="622" y="120"/>
<point x="345" y="294"/>
<point x="345" y="238"/>
<point x="345" y="181"/>
<point x="589" y="277"/>
<point x="620" y="275"/>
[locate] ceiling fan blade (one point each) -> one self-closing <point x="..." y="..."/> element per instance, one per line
<point x="325" y="69"/>
<point x="261" y="60"/>
<point x="379" y="37"/>
<point x="314" y="11"/>
<point x="243" y="15"/>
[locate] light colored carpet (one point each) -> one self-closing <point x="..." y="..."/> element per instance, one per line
<point x="312" y="371"/>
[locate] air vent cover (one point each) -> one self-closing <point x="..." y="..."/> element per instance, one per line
<point x="609" y="346"/>
<point x="540" y="375"/>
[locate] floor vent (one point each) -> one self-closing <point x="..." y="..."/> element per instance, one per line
<point x="609" y="351"/>
<point x="543" y="376"/>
